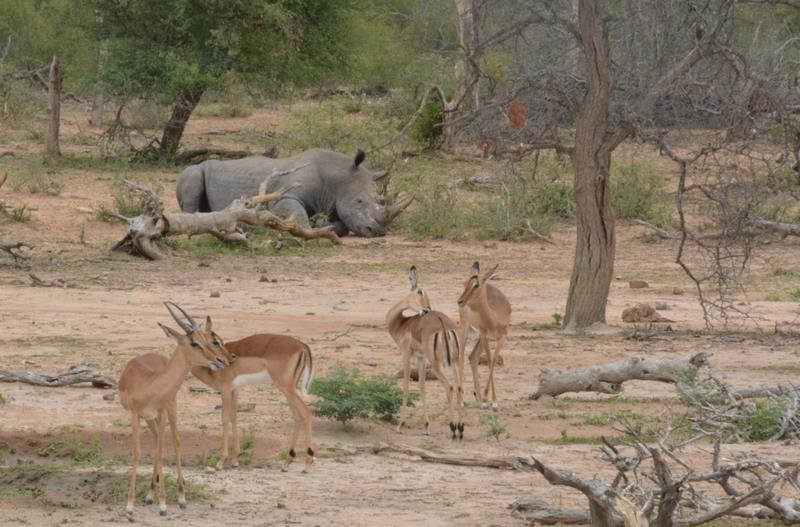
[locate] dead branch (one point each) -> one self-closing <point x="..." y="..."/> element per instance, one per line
<point x="197" y="155"/>
<point x="539" y="511"/>
<point x="432" y="457"/>
<point x="608" y="378"/>
<point x="58" y="282"/>
<point x="9" y="247"/>
<point x="79" y="373"/>
<point x="661" y="233"/>
<point x="145" y="230"/>
<point x="784" y="229"/>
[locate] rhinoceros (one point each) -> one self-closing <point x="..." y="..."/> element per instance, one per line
<point x="316" y="181"/>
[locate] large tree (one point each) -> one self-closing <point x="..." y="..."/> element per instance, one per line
<point x="175" y="50"/>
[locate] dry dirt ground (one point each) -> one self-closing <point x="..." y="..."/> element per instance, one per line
<point x="335" y="300"/>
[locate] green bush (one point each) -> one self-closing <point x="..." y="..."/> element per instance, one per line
<point x="345" y="395"/>
<point x="127" y="201"/>
<point x="637" y="192"/>
<point x="761" y="419"/>
<point x="427" y="132"/>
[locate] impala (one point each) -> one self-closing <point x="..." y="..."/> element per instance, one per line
<point x="148" y="388"/>
<point x="484" y="308"/>
<point x="280" y="360"/>
<point x="432" y="337"/>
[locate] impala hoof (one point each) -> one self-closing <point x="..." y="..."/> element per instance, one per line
<point x="129" y="515"/>
<point x="148" y="500"/>
<point x="220" y="465"/>
<point x="235" y="463"/>
<point x="182" y="505"/>
<point x="495" y="408"/>
<point x="162" y="512"/>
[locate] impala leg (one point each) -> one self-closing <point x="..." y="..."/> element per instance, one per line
<point x="304" y="415"/>
<point x="448" y="389"/>
<point x="486" y="349"/>
<point x="295" y="428"/>
<point x="162" y="495"/>
<point x="237" y="448"/>
<point x="406" y="379"/>
<point x="151" y="492"/>
<point x="227" y="398"/>
<point x="459" y="389"/>
<point x="422" y="374"/>
<point x="498" y="346"/>
<point x="172" y="414"/>
<point x="136" y="450"/>
<point x="474" y="357"/>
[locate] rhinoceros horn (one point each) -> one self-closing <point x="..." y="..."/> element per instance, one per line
<point x="386" y="214"/>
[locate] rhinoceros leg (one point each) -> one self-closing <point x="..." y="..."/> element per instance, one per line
<point x="337" y="226"/>
<point x="191" y="191"/>
<point x="291" y="208"/>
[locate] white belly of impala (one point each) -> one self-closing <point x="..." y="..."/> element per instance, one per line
<point x="261" y="377"/>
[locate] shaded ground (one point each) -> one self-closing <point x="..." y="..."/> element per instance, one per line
<point x="335" y="300"/>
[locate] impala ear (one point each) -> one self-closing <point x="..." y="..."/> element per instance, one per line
<point x="171" y="333"/>
<point x="476" y="267"/>
<point x="490" y="275"/>
<point x="413" y="276"/>
<point x="208" y="324"/>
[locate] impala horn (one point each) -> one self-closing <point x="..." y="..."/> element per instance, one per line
<point x="186" y="327"/>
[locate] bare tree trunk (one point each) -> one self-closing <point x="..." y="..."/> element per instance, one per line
<point x="591" y="158"/>
<point x="181" y="111"/>
<point x="51" y="148"/>
<point x="99" y="89"/>
<point x="468" y="37"/>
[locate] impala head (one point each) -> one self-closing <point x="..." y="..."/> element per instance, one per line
<point x="195" y="346"/>
<point x="474" y="286"/>
<point x="417" y="300"/>
<point x="215" y="341"/>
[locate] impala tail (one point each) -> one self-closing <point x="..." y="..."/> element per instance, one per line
<point x="446" y="335"/>
<point x="307" y="373"/>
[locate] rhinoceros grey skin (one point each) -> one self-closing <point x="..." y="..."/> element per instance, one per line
<point x="326" y="182"/>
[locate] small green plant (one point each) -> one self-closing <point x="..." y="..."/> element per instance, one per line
<point x="557" y="319"/>
<point x="76" y="450"/>
<point x="246" y="448"/>
<point x="772" y="297"/>
<point x="427" y="131"/>
<point x="494" y="427"/>
<point x="795" y="295"/>
<point x="761" y="419"/>
<point x="637" y="192"/>
<point x="345" y="395"/>
<point x="20" y="214"/>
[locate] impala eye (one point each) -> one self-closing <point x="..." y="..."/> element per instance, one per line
<point x="419" y="292"/>
<point x="195" y="344"/>
<point x="476" y="286"/>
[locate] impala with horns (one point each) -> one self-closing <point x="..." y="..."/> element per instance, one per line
<point x="432" y="337"/>
<point x="280" y="360"/>
<point x="484" y="308"/>
<point x="148" y="389"/>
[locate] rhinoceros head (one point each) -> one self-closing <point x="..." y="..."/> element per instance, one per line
<point x="355" y="203"/>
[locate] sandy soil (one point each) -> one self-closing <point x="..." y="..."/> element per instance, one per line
<point x="335" y="300"/>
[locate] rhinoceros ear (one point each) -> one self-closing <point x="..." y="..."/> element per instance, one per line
<point x="360" y="156"/>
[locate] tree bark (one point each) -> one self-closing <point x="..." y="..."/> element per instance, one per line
<point x="98" y="99"/>
<point x="468" y="37"/>
<point x="51" y="147"/>
<point x="591" y="158"/>
<point x="181" y="111"/>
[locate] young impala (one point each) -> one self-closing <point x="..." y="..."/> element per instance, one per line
<point x="484" y="308"/>
<point x="148" y="388"/>
<point x="432" y="337"/>
<point x="261" y="359"/>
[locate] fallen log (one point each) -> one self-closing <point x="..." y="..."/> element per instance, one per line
<point x="153" y="224"/>
<point x="608" y="378"/>
<point x="77" y="374"/>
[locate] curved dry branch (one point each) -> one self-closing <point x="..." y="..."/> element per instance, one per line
<point x="10" y="247"/>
